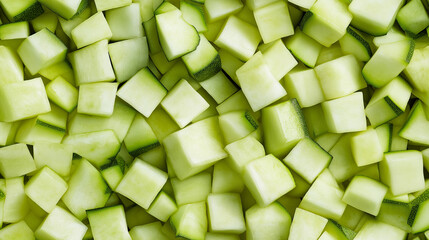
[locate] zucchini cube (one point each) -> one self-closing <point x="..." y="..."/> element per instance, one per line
<point x="67" y="9"/>
<point x="278" y="58"/>
<point x="402" y="171"/>
<point x="419" y="20"/>
<point x="22" y="100"/>
<point x="92" y="64"/>
<point x="103" y="5"/>
<point x="416" y="70"/>
<point x="345" y="114"/>
<point x="219" y="87"/>
<point x="16" y="205"/>
<point x="258" y="84"/>
<point x="41" y="50"/>
<point x="374" y="230"/>
<point x="388" y="62"/>
<point x="237" y="124"/>
<point x="340" y="77"/>
<point x="113" y="175"/>
<point x="153" y="230"/>
<point x="18" y="230"/>
<point x="193" y="189"/>
<point x="324" y="197"/>
<point x="97" y="99"/>
<point x="365" y="194"/>
<point x="300" y="228"/>
<point x="225" y="213"/>
<point x="283" y="126"/>
<point x="243" y="151"/>
<point x="366" y="147"/>
<point x="60" y="224"/>
<point x="388" y="102"/>
<point x="204" y="62"/>
<point x="308" y="153"/>
<point x="87" y="190"/>
<point x="140" y="137"/>
<point x="109" y="223"/>
<point x="183" y="103"/>
<point x="142" y="183"/>
<point x="270" y="222"/>
<point x="143" y="92"/>
<point x="16" y="161"/>
<point x="86" y="33"/>
<point x="162" y="207"/>
<point x="375" y="23"/>
<point x="216" y="10"/>
<point x="304" y="48"/>
<point x="11" y="69"/>
<point x="194" y="14"/>
<point x="274" y="21"/>
<point x="297" y="84"/>
<point x="255" y="4"/>
<point x="8" y="132"/>
<point x="128" y="57"/>
<point x="239" y="38"/>
<point x="125" y="22"/>
<point x="47" y="127"/>
<point x="226" y="179"/>
<point x="62" y="93"/>
<point x="21" y="11"/>
<point x="46" y="188"/>
<point x="267" y="178"/>
<point x="190" y="221"/>
<point x="326" y="21"/>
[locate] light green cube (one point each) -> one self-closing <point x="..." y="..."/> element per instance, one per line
<point x="366" y="147"/>
<point x="267" y="178"/>
<point x="274" y="21"/>
<point x="46" y="188"/>
<point x="403" y="171"/>
<point x="142" y="183"/>
<point x="162" y="207"/>
<point x="97" y="99"/>
<point x="365" y="194"/>
<point x="16" y="161"/>
<point x="225" y="213"/>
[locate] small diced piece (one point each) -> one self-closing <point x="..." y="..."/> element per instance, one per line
<point x="326" y="21"/>
<point x="60" y="224"/>
<point x="128" y="57"/>
<point x="388" y="102"/>
<point x="366" y="147"/>
<point x="97" y="99"/>
<point x="365" y="194"/>
<point x="304" y="48"/>
<point x="192" y="189"/>
<point x="153" y="230"/>
<point x="306" y="225"/>
<point x="103" y="5"/>
<point x="183" y="103"/>
<point x="243" y="151"/>
<point x="375" y="230"/>
<point x="46" y="188"/>
<point x="274" y="21"/>
<point x="143" y="92"/>
<point x="345" y="114"/>
<point x="268" y="179"/>
<point x="19" y="230"/>
<point x="308" y="159"/>
<point x="305" y="87"/>
<point x="226" y="179"/>
<point x="375" y="17"/>
<point x="403" y="171"/>
<point x="190" y="221"/>
<point x="64" y="9"/>
<point x="22" y="100"/>
<point x="142" y="183"/>
<point x="225" y="213"/>
<point x="258" y="83"/>
<point x="62" y="93"/>
<point x="278" y="58"/>
<point x="11" y="69"/>
<point x="270" y="222"/>
<point x="125" y="22"/>
<point x="109" y="223"/>
<point x="219" y="87"/>
<point x="92" y="64"/>
<point x="239" y="38"/>
<point x="162" y="207"/>
<point x="41" y="50"/>
<point x="91" y="30"/>
<point x="340" y="77"/>
<point x="16" y="160"/>
<point x="218" y="9"/>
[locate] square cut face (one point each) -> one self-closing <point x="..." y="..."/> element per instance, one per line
<point x="225" y="213"/>
<point x="403" y="171"/>
<point x="142" y="183"/>
<point x="267" y="179"/>
<point x="97" y="99"/>
<point x="365" y="194"/>
<point x="345" y="114"/>
<point x="183" y="103"/>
